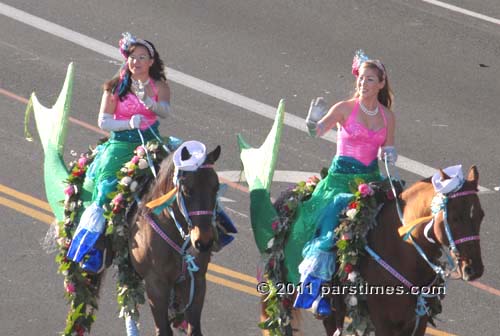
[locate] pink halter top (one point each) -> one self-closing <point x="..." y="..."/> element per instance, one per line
<point x="131" y="105"/>
<point x="359" y="142"/>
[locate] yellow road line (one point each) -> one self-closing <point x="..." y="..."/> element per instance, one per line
<point x="48" y="219"/>
<point x="27" y="210"/>
<point x="233" y="285"/>
<point x="231" y="273"/>
<point x="25" y="197"/>
<point x="212" y="267"/>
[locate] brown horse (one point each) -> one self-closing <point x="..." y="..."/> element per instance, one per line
<point x="160" y="254"/>
<point x="394" y="315"/>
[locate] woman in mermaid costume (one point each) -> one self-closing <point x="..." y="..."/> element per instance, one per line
<point x="365" y="130"/>
<point x="130" y="107"/>
<point x="365" y="127"/>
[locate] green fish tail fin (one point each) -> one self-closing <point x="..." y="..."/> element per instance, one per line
<point x="51" y="124"/>
<point x="258" y="166"/>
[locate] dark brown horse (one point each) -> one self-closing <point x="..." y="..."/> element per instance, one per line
<point x="394" y="315"/>
<point x="162" y="264"/>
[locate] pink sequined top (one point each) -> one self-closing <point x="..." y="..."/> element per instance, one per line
<point x="359" y="142"/>
<point x="131" y="105"/>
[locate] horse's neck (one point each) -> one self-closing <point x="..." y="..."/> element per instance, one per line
<point x="418" y="206"/>
<point x="387" y="241"/>
<point x="417" y="200"/>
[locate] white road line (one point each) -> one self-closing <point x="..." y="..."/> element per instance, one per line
<point x="463" y="11"/>
<point x="191" y="82"/>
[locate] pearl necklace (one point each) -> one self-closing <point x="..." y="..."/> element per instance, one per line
<point x="137" y="83"/>
<point x="368" y="112"/>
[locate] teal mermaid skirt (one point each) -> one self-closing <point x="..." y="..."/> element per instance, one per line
<point x="309" y="248"/>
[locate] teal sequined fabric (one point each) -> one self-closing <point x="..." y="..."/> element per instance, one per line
<point x="312" y="231"/>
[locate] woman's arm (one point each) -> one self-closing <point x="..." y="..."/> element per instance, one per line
<point x="161" y="108"/>
<point x="391" y="128"/>
<point x="106" y="111"/>
<point x="335" y="115"/>
<point x="388" y="150"/>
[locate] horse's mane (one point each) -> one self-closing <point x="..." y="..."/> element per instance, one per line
<point x="416" y="188"/>
<point x="164" y="182"/>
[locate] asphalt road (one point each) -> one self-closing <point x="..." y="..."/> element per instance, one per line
<point x="443" y="66"/>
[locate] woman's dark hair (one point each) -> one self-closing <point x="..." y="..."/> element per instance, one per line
<point x="156" y="71"/>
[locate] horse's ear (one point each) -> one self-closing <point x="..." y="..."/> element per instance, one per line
<point x="185" y="155"/>
<point x="473" y="175"/>
<point x="213" y="155"/>
<point x="444" y="176"/>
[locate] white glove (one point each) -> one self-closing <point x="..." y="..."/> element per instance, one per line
<point x="317" y="110"/>
<point x="135" y="121"/>
<point x="388" y="152"/>
<point x="108" y="123"/>
<point x="161" y="109"/>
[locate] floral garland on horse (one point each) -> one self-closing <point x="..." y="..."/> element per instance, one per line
<point x="355" y="222"/>
<point x="81" y="286"/>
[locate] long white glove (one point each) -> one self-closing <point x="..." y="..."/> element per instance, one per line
<point x="107" y="123"/>
<point x="317" y="110"/>
<point x="389" y="152"/>
<point x="161" y="109"/>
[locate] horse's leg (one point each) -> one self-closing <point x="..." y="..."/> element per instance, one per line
<point x="193" y="314"/>
<point x="419" y="331"/>
<point x="159" y="300"/>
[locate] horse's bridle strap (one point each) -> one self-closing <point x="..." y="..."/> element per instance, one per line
<point x="200" y="213"/>
<point x="462" y="193"/>
<point x="466" y="239"/>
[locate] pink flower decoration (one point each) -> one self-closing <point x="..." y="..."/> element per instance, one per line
<point x="346" y="236"/>
<point x="135" y="159"/>
<point x="365" y="190"/>
<point x="118" y="199"/>
<point x="184" y="325"/>
<point x="271" y="263"/>
<point x="82" y="161"/>
<point x="275" y="225"/>
<point x="140" y="151"/>
<point x="70" y="287"/>
<point x="313" y="180"/>
<point x="69" y="190"/>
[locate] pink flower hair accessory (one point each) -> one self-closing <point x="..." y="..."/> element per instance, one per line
<point x="128" y="40"/>
<point x="360" y="57"/>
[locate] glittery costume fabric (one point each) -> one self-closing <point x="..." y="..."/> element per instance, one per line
<point x="114" y="153"/>
<point x="309" y="247"/>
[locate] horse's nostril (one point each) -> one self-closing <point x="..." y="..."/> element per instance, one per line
<point x="468" y="270"/>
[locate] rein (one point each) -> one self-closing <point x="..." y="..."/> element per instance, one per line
<point x="439" y="203"/>
<point x="188" y="259"/>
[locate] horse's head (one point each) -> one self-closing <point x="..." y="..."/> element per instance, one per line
<point x="458" y="221"/>
<point x="198" y="190"/>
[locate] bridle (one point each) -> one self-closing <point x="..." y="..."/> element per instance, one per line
<point x="440" y="203"/>
<point x="181" y="203"/>
<point x="189" y="263"/>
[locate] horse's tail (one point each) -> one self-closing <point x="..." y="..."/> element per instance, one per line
<point x="51" y="125"/>
<point x="258" y="166"/>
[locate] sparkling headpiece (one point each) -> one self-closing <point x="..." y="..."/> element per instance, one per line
<point x="128" y="39"/>
<point x="360" y="57"/>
